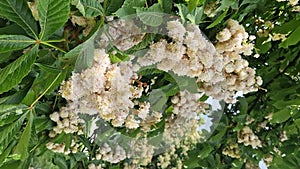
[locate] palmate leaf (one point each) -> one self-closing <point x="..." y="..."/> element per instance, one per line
<point x="88" y="8"/>
<point x="18" y="12"/>
<point x="48" y="80"/>
<point x="22" y="146"/>
<point x="14" y="42"/>
<point x="53" y="14"/>
<point x="12" y="29"/>
<point x="7" y="134"/>
<point x="9" y="113"/>
<point x="12" y="74"/>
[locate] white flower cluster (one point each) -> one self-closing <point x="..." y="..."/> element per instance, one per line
<point x="187" y="104"/>
<point x="61" y="147"/>
<point x="94" y="166"/>
<point x="141" y="152"/>
<point x="113" y="92"/>
<point x="180" y="133"/>
<point x="179" y="150"/>
<point x="122" y="34"/>
<point x="107" y="153"/>
<point x="107" y="90"/>
<point x="220" y="73"/>
<point x="67" y="121"/>
<point x="251" y="165"/>
<point x="278" y="36"/>
<point x="232" y="42"/>
<point x="268" y="160"/>
<point x="247" y="137"/>
<point x="232" y="151"/>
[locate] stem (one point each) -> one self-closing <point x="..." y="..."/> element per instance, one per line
<point x="57" y="40"/>
<point x="57" y="48"/>
<point x="36" y="100"/>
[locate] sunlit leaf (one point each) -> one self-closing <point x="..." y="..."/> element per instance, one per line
<point x="13" y="73"/>
<point x="292" y="39"/>
<point x="14" y="42"/>
<point x="18" y="12"/>
<point x="7" y="134"/>
<point x="53" y="14"/>
<point x="22" y="146"/>
<point x="281" y="116"/>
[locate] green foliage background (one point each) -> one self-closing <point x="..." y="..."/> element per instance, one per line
<point x="37" y="55"/>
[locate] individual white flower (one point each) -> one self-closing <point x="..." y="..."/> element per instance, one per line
<point x="224" y="35"/>
<point x="293" y="2"/>
<point x="131" y="123"/>
<point x="54" y="116"/>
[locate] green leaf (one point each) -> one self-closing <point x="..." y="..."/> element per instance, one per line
<point x="218" y="20"/>
<point x="9" y="113"/>
<point x="225" y="4"/>
<point x="207" y="149"/>
<point x="297" y="122"/>
<point x="18" y="12"/>
<point x="12" y="29"/>
<point x="8" y="118"/>
<point x="157" y="99"/>
<point x="12" y="164"/>
<point x="7" y="134"/>
<point x="183" y="11"/>
<point x="293" y="39"/>
<point x="192" y="4"/>
<point x="128" y="7"/>
<point x="6" y="108"/>
<point x="281" y="116"/>
<point x="113" y="6"/>
<point x="14" y="42"/>
<point x="53" y="14"/>
<point x="185" y="82"/>
<point x="7" y="151"/>
<point x="88" y="8"/>
<point x="5" y="57"/>
<point x="243" y="105"/>
<point x="22" y="146"/>
<point x="249" y="2"/>
<point x="262" y="45"/>
<point x="42" y="123"/>
<point x="152" y="16"/>
<point x="287" y="27"/>
<point x="85" y="55"/>
<point x="147" y="39"/>
<point x="79" y="6"/>
<point x="196" y="15"/>
<point x="49" y="79"/>
<point x="166" y="5"/>
<point x="12" y="74"/>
